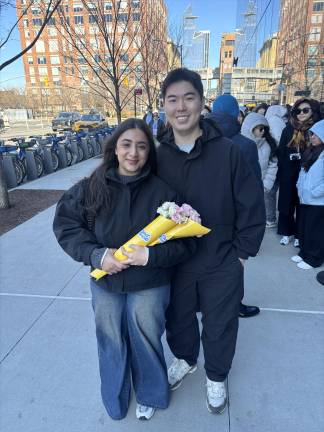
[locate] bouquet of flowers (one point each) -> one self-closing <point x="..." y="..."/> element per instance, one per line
<point x="173" y="222"/>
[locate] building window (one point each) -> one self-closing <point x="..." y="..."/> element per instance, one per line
<point x="122" y="4"/>
<point x="135" y="4"/>
<point x="40" y="46"/>
<point x="35" y="12"/>
<point x="318" y="6"/>
<point x="315" y="34"/>
<point x="55" y="60"/>
<point x="82" y="60"/>
<point x="93" y="19"/>
<point x="33" y="80"/>
<point x="77" y="8"/>
<point x="30" y="60"/>
<point x="311" y="62"/>
<point x="108" y="5"/>
<point x="78" y="19"/>
<point x="42" y="71"/>
<point x="317" y="19"/>
<point x="31" y="70"/>
<point x="108" y="18"/>
<point x="53" y="45"/>
<point x="312" y="50"/>
<point x="65" y="20"/>
<point x="226" y="54"/>
<point x="52" y="32"/>
<point x="136" y="16"/>
<point x="122" y="17"/>
<point x="37" y="22"/>
<point x="124" y="57"/>
<point x="25" y="23"/>
<point x="51" y="21"/>
<point x="229" y="54"/>
<point x="41" y="60"/>
<point x="55" y="71"/>
<point x="229" y="42"/>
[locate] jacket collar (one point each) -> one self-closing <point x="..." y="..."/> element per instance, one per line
<point x="209" y="132"/>
<point x="112" y="175"/>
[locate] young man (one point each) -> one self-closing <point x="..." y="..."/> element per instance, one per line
<point x="211" y="174"/>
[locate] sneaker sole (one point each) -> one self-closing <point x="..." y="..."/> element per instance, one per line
<point x="178" y="384"/>
<point x="216" y="410"/>
<point x="143" y="418"/>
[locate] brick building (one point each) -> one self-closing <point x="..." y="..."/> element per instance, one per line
<point x="226" y="61"/>
<point x="89" y="48"/>
<point x="301" y="48"/>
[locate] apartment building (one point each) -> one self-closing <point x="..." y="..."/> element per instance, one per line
<point x="87" y="44"/>
<point x="226" y="59"/>
<point x="301" y="48"/>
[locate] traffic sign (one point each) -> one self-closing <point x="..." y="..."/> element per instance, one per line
<point x="138" y="92"/>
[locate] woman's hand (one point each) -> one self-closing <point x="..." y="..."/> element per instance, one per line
<point x="111" y="265"/>
<point x="139" y="257"/>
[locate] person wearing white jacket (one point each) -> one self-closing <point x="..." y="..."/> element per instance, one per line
<point x="256" y="127"/>
<point x="276" y="115"/>
<point x="310" y="187"/>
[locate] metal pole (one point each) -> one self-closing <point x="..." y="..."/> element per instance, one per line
<point x="135" y="104"/>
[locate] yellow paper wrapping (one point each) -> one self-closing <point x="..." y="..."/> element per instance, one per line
<point x="188" y="229"/>
<point x="145" y="237"/>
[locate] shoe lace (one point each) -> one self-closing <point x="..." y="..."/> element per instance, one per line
<point x="215" y="389"/>
<point x="142" y="408"/>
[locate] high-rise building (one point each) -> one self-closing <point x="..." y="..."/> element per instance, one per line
<point x="226" y="62"/>
<point x="301" y="49"/>
<point x="256" y="21"/>
<point x="72" y="51"/>
<point x="195" y="43"/>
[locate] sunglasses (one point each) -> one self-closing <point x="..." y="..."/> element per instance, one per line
<point x="304" y="111"/>
<point x="260" y="128"/>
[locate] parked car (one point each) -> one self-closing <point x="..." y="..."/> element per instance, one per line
<point x="90" y="121"/>
<point x="65" y="120"/>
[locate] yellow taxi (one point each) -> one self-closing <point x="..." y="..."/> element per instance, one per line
<point x="90" y="121"/>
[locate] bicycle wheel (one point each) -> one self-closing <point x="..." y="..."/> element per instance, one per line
<point x="39" y="165"/>
<point x="80" y="153"/>
<point x="98" y="147"/>
<point x="69" y="156"/>
<point x="55" y="160"/>
<point x="18" y="171"/>
<point x="90" y="150"/>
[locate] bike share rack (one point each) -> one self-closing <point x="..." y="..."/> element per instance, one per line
<point x="9" y="169"/>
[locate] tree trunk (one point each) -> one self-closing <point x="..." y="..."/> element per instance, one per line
<point x="4" y="196"/>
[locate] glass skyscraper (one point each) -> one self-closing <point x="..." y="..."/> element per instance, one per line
<point x="256" y="21"/>
<point x="195" y="43"/>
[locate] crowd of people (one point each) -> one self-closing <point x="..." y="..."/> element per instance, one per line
<point x="230" y="173"/>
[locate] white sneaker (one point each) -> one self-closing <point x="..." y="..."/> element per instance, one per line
<point x="144" y="412"/>
<point x="304" y="266"/>
<point x="271" y="224"/>
<point x="296" y="259"/>
<point x="296" y="242"/>
<point x="285" y="240"/>
<point x="216" y="396"/>
<point x="177" y="371"/>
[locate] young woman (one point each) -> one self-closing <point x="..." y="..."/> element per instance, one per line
<point x="293" y="142"/>
<point x="256" y="127"/>
<point x="310" y="187"/>
<point x="261" y="108"/>
<point x="93" y="219"/>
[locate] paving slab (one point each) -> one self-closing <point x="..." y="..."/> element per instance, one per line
<point x="50" y="382"/>
<point x="276" y="383"/>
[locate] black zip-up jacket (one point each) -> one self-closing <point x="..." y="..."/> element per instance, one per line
<point x="135" y="205"/>
<point x="218" y="182"/>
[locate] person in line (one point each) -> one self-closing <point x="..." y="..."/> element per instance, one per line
<point x="293" y="142"/>
<point x="276" y="116"/>
<point x="93" y="219"/>
<point x="225" y="115"/>
<point x="210" y="172"/>
<point x="310" y="187"/>
<point x="256" y="127"/>
<point x="205" y="111"/>
<point x="157" y="126"/>
<point x="261" y="109"/>
<point x="148" y="116"/>
<point x="243" y="111"/>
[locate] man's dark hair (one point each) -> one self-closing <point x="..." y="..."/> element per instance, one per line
<point x="183" y="74"/>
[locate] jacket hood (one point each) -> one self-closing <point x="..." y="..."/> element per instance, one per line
<point x="318" y="129"/>
<point x="226" y="123"/>
<point x="250" y="122"/>
<point x="226" y="104"/>
<point x="276" y="111"/>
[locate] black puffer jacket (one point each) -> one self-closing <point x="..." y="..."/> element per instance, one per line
<point x="135" y="205"/>
<point x="217" y="181"/>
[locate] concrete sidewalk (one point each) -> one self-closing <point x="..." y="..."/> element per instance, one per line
<point x="49" y="368"/>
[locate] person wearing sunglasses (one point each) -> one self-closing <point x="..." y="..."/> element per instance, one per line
<point x="256" y="127"/>
<point x="294" y="140"/>
<point x="310" y="187"/>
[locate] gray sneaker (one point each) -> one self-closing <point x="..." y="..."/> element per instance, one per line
<point x="144" y="412"/>
<point x="216" y="396"/>
<point x="177" y="371"/>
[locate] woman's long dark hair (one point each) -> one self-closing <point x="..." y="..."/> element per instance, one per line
<point x="271" y="141"/>
<point x="98" y="193"/>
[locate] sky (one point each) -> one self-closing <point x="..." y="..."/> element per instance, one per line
<point x="218" y="16"/>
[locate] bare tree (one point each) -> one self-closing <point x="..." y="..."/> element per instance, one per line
<point x="110" y="65"/>
<point x="49" y="10"/>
